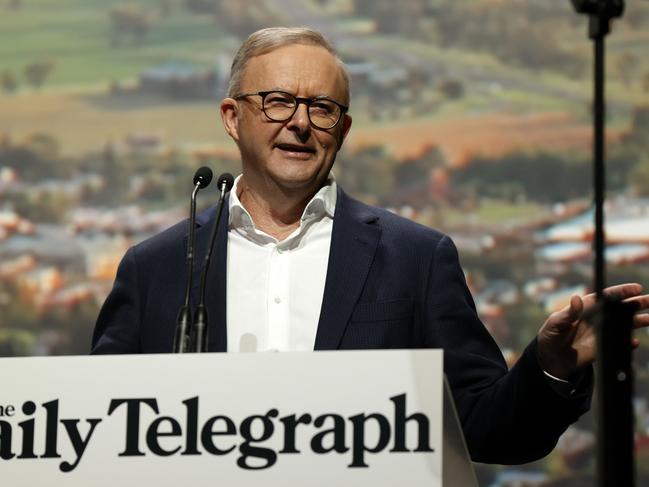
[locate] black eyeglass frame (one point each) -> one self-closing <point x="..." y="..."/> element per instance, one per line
<point x="298" y="100"/>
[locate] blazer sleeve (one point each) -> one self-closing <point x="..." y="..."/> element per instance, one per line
<point x="118" y="324"/>
<point x="508" y="416"/>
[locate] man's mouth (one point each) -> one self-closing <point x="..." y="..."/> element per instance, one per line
<point x="295" y="148"/>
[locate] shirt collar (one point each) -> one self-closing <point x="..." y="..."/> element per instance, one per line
<point x="323" y="204"/>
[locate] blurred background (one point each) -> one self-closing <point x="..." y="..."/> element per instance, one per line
<point x="471" y="116"/>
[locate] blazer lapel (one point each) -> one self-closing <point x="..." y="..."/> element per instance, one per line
<point x="354" y="240"/>
<point x="215" y="285"/>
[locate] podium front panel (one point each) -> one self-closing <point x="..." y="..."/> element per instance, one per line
<point x="305" y="419"/>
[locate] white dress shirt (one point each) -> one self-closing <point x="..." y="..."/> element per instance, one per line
<point x="275" y="289"/>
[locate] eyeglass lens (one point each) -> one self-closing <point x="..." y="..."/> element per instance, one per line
<point x="280" y="107"/>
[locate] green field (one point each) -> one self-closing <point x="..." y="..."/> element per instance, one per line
<point x="495" y="212"/>
<point x="75" y="35"/>
<point x="76" y="107"/>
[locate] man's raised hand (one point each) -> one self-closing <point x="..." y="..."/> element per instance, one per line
<point x="567" y="342"/>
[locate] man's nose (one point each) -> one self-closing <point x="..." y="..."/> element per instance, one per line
<point x="300" y="122"/>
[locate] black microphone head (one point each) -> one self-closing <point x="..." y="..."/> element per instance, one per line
<point x="203" y="177"/>
<point x="226" y="179"/>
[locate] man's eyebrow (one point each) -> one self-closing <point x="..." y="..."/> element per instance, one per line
<point x="279" y="88"/>
<point x="321" y="95"/>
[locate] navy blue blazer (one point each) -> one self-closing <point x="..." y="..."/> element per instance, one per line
<point x="391" y="283"/>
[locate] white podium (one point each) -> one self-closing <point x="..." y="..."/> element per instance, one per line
<point x="352" y="418"/>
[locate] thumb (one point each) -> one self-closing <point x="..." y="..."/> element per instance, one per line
<point x="573" y="310"/>
<point x="560" y="323"/>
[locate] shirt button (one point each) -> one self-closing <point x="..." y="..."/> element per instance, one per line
<point x="279" y="250"/>
<point x="278" y="300"/>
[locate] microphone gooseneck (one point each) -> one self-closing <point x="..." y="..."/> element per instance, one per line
<point x="202" y="179"/>
<point x="199" y="329"/>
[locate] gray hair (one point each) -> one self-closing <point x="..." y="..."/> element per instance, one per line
<point x="266" y="40"/>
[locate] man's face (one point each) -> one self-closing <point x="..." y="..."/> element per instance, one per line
<point x="290" y="155"/>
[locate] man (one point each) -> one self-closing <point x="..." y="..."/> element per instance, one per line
<point x="303" y="266"/>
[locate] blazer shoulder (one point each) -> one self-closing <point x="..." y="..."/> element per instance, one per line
<point x="161" y="243"/>
<point x="393" y="225"/>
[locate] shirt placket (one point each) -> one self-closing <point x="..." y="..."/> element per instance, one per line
<point x="278" y="299"/>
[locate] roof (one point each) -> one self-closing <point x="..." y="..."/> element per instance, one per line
<point x="172" y="70"/>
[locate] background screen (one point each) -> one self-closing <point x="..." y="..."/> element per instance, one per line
<point x="471" y="116"/>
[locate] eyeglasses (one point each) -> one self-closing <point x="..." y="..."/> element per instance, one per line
<point x="279" y="106"/>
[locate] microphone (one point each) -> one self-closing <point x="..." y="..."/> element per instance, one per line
<point x="199" y="328"/>
<point x="202" y="179"/>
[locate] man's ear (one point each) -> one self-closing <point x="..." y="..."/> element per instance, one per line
<point x="347" y="124"/>
<point x="230" y="117"/>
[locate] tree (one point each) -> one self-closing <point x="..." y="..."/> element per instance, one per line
<point x="8" y="81"/>
<point x="165" y="7"/>
<point x="517" y="37"/>
<point x="365" y="8"/>
<point x="518" y="174"/>
<point x="636" y="15"/>
<point x="367" y="172"/>
<point x="452" y="89"/>
<point x="626" y="64"/>
<point x="245" y="16"/>
<point x="37" y="72"/>
<point x="16" y="343"/>
<point x="641" y="120"/>
<point x="394" y="17"/>
<point x="36" y="159"/>
<point x="636" y="138"/>
<point x="639" y="178"/>
<point x="130" y="21"/>
<point x="202" y="7"/>
<point x="44" y="145"/>
<point x="238" y="16"/>
<point x="43" y="206"/>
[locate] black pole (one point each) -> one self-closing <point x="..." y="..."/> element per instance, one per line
<point x="613" y="318"/>
<point x="615" y="449"/>
<point x="599" y="172"/>
<point x="614" y="382"/>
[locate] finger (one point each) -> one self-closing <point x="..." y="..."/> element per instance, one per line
<point x="639" y="302"/>
<point x="623" y="291"/>
<point x="572" y="312"/>
<point x="618" y="292"/>
<point x="641" y="321"/>
<point x="635" y="343"/>
<point x="558" y="321"/>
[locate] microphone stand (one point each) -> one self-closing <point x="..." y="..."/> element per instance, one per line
<point x="202" y="179"/>
<point x="613" y="318"/>
<point x="184" y="319"/>
<point x="199" y="328"/>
